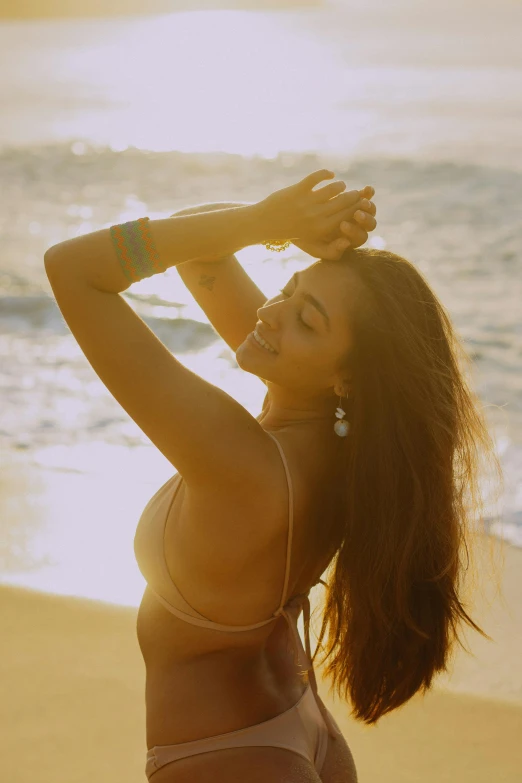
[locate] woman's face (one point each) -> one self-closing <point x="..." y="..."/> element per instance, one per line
<point x="308" y="326"/>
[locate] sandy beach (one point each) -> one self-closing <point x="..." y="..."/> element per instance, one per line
<point x="73" y="699"/>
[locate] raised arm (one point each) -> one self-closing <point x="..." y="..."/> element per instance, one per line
<point x="173" y="406"/>
<point x="224" y="291"/>
<point x="222" y="288"/>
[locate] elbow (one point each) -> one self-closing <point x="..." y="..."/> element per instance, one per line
<point x="50" y="256"/>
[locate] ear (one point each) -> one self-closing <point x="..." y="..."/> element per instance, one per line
<point x="342" y="387"/>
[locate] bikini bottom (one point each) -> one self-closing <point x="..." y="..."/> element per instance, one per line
<point x="300" y="729"/>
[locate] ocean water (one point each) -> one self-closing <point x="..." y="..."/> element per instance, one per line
<point x="107" y="120"/>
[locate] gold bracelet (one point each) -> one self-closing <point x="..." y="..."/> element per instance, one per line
<point x="277" y="245"/>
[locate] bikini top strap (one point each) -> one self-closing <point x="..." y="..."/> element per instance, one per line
<point x="290" y="519"/>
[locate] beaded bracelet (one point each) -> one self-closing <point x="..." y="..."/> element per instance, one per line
<point x="136" y="250"/>
<point x="137" y="253"/>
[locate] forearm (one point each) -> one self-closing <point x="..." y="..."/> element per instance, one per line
<point x="208" y="234"/>
<point x="211" y="206"/>
<point x="92" y="259"/>
<point x="222" y="288"/>
<point x="199" y="274"/>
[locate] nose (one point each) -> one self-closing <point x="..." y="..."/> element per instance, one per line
<point x="268" y="314"/>
<point x="266" y="323"/>
<point x="265" y="316"/>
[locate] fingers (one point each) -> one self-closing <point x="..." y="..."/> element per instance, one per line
<point x="365" y="220"/>
<point x="367" y="192"/>
<point x="368" y="222"/>
<point x="328" y="192"/>
<point x="368" y="206"/>
<point x="332" y="206"/>
<point x="334" y="250"/>
<point x="314" y="249"/>
<point x="340" y="203"/>
<point x="323" y="194"/>
<point x="364" y="205"/>
<point x="315" y="178"/>
<point x="356" y="235"/>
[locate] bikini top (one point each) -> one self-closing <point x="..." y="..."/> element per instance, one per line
<point x="150" y="557"/>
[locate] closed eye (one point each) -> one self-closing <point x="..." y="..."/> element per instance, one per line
<point x="299" y="318"/>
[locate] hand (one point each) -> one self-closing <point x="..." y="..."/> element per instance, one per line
<point x="354" y="232"/>
<point x="310" y="217"/>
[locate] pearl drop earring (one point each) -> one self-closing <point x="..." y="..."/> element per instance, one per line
<point x="341" y="426"/>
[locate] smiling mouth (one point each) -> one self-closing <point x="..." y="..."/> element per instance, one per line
<point x="262" y="343"/>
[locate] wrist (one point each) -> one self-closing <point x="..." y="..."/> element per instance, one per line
<point x="268" y="228"/>
<point x="256" y="222"/>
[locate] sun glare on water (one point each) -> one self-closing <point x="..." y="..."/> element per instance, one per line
<point x="232" y="81"/>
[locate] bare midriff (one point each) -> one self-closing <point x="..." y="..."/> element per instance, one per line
<point x="196" y="688"/>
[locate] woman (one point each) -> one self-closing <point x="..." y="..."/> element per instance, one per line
<point x="359" y="458"/>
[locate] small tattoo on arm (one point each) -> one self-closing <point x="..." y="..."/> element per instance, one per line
<point x="207" y="281"/>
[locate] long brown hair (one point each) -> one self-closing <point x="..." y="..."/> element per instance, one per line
<point x="409" y="471"/>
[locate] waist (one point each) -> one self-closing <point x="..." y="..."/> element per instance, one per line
<point x="218" y="692"/>
<point x="200" y="682"/>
